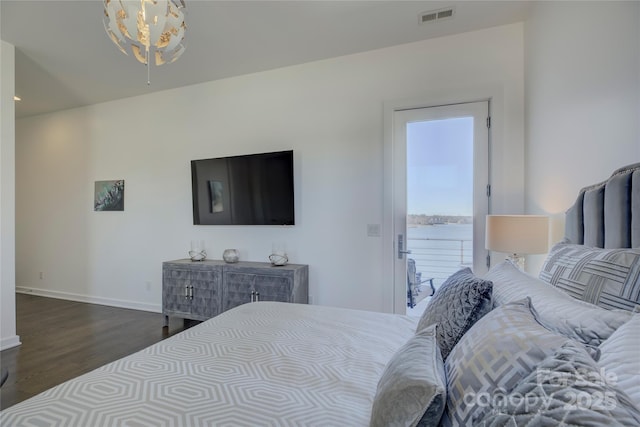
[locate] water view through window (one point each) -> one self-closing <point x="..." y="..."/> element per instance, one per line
<point x="440" y="198"/>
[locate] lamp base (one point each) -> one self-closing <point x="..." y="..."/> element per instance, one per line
<point x="517" y="260"/>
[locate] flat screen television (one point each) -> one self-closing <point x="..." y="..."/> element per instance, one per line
<point x="255" y="189"/>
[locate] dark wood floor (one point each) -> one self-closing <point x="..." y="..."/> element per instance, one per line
<point x="63" y="339"/>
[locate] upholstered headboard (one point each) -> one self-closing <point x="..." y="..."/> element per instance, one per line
<point x="607" y="214"/>
<point x="599" y="261"/>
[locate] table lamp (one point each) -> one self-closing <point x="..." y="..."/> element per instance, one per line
<point x="517" y="235"/>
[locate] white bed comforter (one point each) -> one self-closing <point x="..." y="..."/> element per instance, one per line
<point x="261" y="364"/>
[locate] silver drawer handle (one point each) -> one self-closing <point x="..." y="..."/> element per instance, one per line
<point x="255" y="296"/>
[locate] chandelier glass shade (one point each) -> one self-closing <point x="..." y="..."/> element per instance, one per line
<point x="150" y="29"/>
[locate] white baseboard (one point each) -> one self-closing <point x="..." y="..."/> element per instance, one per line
<point x="155" y="308"/>
<point x="6" y="343"/>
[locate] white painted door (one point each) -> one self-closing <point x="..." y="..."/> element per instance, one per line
<point x="440" y="162"/>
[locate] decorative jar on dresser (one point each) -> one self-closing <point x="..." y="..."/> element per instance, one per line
<point x="204" y="289"/>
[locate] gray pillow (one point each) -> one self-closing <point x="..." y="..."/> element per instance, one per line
<point x="498" y="351"/>
<point x="567" y="388"/>
<point x="609" y="278"/>
<point x="621" y="356"/>
<point x="556" y="310"/>
<point x="412" y="389"/>
<point x="459" y="302"/>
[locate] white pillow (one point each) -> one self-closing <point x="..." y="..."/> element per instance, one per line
<point x="620" y="355"/>
<point x="556" y="310"/>
<point x="412" y="390"/>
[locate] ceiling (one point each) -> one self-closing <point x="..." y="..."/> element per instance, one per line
<point x="64" y="59"/>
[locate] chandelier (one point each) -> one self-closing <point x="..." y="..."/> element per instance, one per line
<point x="147" y="28"/>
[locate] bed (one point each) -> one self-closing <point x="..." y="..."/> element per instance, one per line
<point x="263" y="363"/>
<point x="482" y="346"/>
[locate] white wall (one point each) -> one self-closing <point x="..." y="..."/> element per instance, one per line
<point x="8" y="337"/>
<point x="582" y="64"/>
<point x="329" y="112"/>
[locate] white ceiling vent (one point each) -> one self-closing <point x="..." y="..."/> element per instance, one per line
<point x="436" y="15"/>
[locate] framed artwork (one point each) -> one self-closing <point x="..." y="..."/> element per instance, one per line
<point x="109" y="195"/>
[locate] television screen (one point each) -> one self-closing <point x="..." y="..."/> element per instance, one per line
<point x="254" y="189"/>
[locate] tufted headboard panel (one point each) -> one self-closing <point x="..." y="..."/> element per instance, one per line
<point x="607" y="214"/>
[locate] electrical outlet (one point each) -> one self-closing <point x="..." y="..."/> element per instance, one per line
<point x="41" y="275"/>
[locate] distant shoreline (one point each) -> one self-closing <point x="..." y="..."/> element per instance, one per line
<point x="426" y="220"/>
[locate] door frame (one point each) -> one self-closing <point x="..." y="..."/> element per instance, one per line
<point x="392" y="301"/>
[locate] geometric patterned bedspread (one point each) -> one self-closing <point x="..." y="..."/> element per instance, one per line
<point x="260" y="364"/>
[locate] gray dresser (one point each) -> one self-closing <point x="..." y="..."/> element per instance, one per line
<point x="203" y="289"/>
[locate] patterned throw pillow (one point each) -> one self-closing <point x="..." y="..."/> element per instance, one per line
<point x="620" y="354"/>
<point x="567" y="389"/>
<point x="556" y="310"/>
<point x="498" y="351"/>
<point x="609" y="278"/>
<point x="412" y="389"/>
<point x="459" y="302"/>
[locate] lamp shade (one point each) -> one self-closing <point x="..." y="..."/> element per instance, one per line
<point x="517" y="234"/>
